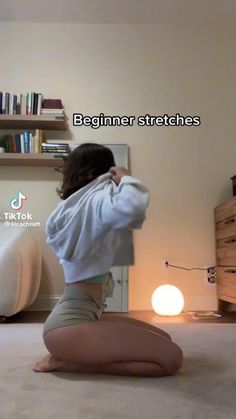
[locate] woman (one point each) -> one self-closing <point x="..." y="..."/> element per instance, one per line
<point x="91" y="231"/>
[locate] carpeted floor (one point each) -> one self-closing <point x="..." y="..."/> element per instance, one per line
<point x="203" y="389"/>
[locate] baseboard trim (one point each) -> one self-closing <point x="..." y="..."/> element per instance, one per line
<point x="44" y="303"/>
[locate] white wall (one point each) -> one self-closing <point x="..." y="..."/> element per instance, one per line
<point x="133" y="70"/>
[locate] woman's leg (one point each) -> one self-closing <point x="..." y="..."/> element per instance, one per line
<point x="140" y="323"/>
<point x="114" y="348"/>
<point x="50" y="363"/>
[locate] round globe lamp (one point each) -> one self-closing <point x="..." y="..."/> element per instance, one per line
<point x="167" y="300"/>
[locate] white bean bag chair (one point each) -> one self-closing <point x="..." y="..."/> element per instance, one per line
<point x="20" y="269"/>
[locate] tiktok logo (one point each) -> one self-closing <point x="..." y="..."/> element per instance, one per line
<point x="16" y="203"/>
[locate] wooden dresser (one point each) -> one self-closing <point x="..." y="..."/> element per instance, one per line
<point x="225" y="234"/>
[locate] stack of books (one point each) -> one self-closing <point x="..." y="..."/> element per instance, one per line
<point x="10" y="103"/>
<point x="30" y="104"/>
<point x="19" y="104"/>
<point x="23" y="143"/>
<point x="52" y="107"/>
<point x="33" y="103"/>
<point x="58" y="149"/>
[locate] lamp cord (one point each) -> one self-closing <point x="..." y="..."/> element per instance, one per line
<point x="202" y="315"/>
<point x="186" y="269"/>
<point x="196" y="315"/>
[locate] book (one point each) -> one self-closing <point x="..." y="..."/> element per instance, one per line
<point x="18" y="145"/>
<point x="41" y="139"/>
<point x="3" y="142"/>
<point x="52" y="104"/>
<point x="39" y="107"/>
<point x="14" y="144"/>
<point x="30" y="142"/>
<point x="14" y="104"/>
<point x="35" y="104"/>
<point x="55" y="151"/>
<point x="32" y="103"/>
<point x="52" y="111"/>
<point x="3" y="102"/>
<point x="7" y="99"/>
<point x="18" y="104"/>
<point x="26" y="142"/>
<point x="28" y="103"/>
<point x="22" y="143"/>
<point x="54" y="142"/>
<point x="23" y="110"/>
<point x="7" y="143"/>
<point x="36" y="141"/>
<point x="11" y="99"/>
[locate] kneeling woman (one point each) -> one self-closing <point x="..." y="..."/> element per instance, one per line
<point x="90" y="231"/>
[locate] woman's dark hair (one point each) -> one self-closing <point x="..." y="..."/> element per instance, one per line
<point x="84" y="164"/>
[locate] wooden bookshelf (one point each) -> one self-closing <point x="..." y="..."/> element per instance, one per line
<point x="47" y="122"/>
<point x="30" y="159"/>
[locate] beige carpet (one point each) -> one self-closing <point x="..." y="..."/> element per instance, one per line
<point x="204" y="388"/>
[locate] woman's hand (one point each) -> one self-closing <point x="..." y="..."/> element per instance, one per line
<point x="117" y="173"/>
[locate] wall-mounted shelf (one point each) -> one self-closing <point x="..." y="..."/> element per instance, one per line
<point x="30" y="159"/>
<point x="47" y="122"/>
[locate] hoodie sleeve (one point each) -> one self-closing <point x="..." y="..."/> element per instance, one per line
<point x="125" y="207"/>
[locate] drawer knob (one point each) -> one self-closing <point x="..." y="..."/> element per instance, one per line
<point x="229" y="221"/>
<point x="230" y="241"/>
<point x="230" y="271"/>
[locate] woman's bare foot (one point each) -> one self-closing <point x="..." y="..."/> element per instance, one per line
<point x="50" y="363"/>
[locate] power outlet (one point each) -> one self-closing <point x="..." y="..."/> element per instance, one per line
<point x="211" y="275"/>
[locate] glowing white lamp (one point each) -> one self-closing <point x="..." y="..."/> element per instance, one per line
<point x="167" y="300"/>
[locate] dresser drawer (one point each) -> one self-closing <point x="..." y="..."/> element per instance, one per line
<point x="225" y="210"/>
<point x="226" y="283"/>
<point x="226" y="252"/>
<point x="228" y="241"/>
<point x="226" y="276"/>
<point x="226" y="294"/>
<point x="226" y="228"/>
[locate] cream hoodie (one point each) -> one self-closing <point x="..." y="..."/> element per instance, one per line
<point x="91" y="231"/>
